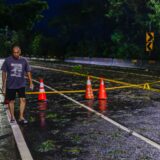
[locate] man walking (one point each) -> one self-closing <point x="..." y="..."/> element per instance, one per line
<point x="14" y="70"/>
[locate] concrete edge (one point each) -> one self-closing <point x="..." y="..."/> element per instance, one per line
<point x="20" y="141"/>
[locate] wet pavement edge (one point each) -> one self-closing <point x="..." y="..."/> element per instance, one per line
<point x="8" y="148"/>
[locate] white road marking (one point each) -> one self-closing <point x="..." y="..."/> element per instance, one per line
<point x="20" y="141"/>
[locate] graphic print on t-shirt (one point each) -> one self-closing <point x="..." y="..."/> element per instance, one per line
<point x="16" y="70"/>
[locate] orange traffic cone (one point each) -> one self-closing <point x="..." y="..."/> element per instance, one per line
<point x="102" y="91"/>
<point x="42" y="94"/>
<point x="89" y="91"/>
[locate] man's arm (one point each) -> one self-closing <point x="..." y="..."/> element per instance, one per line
<point x="4" y="78"/>
<point x="30" y="80"/>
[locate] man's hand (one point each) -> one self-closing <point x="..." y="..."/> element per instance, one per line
<point x="31" y="86"/>
<point x="4" y="90"/>
<point x="4" y="77"/>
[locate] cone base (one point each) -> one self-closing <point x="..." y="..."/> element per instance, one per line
<point x="42" y="97"/>
<point x="89" y="97"/>
<point x="43" y="100"/>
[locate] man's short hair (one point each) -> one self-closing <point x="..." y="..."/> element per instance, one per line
<point x="15" y="46"/>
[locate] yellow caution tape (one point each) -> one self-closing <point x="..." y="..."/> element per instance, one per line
<point x="147" y="86"/>
<point x="84" y="75"/>
<point x="82" y="91"/>
<point x="126" y="85"/>
<point x="155" y="82"/>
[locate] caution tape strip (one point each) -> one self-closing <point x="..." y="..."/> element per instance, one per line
<point x="84" y="75"/>
<point x="126" y="85"/>
<point x="95" y="77"/>
<point x="82" y="91"/>
<point x="145" y="86"/>
<point x="76" y="91"/>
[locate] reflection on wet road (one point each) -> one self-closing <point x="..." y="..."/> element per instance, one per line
<point x="60" y="129"/>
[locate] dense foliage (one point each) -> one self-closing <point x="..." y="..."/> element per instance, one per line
<point x="17" y="22"/>
<point x="90" y="28"/>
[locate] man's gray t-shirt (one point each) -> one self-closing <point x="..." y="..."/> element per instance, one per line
<point x="16" y="69"/>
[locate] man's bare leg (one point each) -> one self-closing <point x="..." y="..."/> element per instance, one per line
<point x="22" y="108"/>
<point x="11" y="108"/>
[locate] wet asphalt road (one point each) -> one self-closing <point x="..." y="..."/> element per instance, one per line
<point x="62" y="130"/>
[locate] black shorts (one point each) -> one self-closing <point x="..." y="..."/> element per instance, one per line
<point x="11" y="93"/>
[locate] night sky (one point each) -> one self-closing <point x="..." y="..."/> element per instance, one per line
<point x="54" y="9"/>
